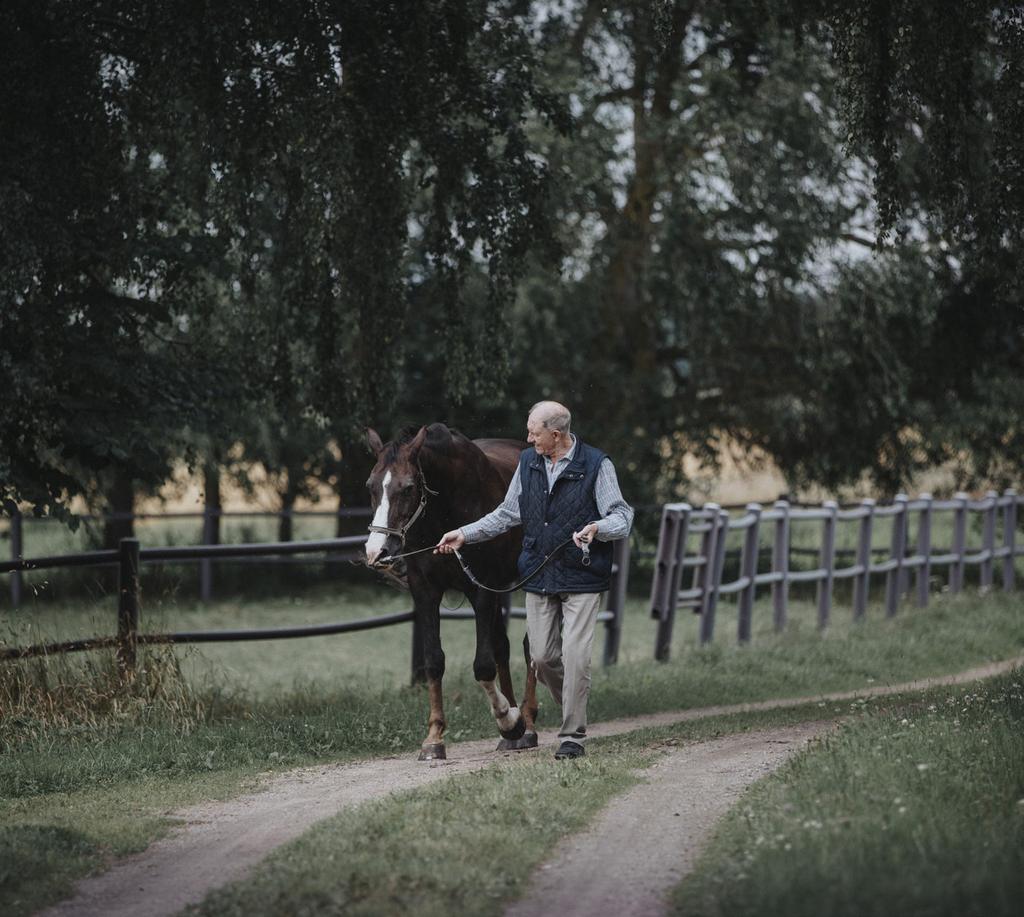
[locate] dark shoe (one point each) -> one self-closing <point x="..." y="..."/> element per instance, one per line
<point x="569" y="750"/>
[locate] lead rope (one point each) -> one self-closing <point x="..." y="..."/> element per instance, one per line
<point x="476" y="582"/>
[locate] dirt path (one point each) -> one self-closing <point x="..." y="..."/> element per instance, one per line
<point x="220" y="842"/>
<point x="648" y="838"/>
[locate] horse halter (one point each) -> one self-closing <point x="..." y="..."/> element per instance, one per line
<point x="401" y="533"/>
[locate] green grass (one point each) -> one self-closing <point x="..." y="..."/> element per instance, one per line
<point x="914" y="811"/>
<point x="239" y="710"/>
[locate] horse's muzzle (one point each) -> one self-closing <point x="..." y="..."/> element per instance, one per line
<point x="387" y="565"/>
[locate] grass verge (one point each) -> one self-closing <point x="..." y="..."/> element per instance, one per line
<point x="914" y="810"/>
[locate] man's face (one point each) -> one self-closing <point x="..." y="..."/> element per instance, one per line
<point x="545" y="441"/>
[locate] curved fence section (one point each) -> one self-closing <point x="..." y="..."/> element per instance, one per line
<point x="688" y="576"/>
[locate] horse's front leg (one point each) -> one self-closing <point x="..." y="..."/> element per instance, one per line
<point x="489" y="633"/>
<point x="427" y="611"/>
<point x="501" y="657"/>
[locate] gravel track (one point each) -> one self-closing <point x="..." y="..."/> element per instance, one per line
<point x="648" y="838"/>
<point x="219" y="842"/>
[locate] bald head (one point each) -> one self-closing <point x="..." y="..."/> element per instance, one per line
<point x="551" y="416"/>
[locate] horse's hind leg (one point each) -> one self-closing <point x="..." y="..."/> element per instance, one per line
<point x="492" y="646"/>
<point x="530" y="707"/>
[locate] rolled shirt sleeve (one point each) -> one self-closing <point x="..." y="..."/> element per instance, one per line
<point x="616" y="514"/>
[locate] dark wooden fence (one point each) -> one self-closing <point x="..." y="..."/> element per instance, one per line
<point x="210" y="518"/>
<point x="710" y="525"/>
<point x="130" y="556"/>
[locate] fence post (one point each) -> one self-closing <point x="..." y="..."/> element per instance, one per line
<point x="715" y="562"/>
<point x="862" y="582"/>
<point x="668" y="572"/>
<point x="748" y="568"/>
<point x="17" y="551"/>
<point x="893" y="579"/>
<point x="988" y="539"/>
<point x="1009" y="538"/>
<point x="206" y="563"/>
<point x="956" y="570"/>
<point x="620" y="580"/>
<point x="127" y="606"/>
<point x="827" y="561"/>
<point x="780" y="564"/>
<point x="924" y="549"/>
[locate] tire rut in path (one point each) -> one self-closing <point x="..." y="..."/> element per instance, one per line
<point x="219" y="842"/>
<point x="648" y="838"/>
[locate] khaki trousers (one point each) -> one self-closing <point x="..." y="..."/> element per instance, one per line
<point x="561" y="629"/>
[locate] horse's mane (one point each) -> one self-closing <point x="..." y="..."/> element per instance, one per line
<point x="441" y="439"/>
<point x="405" y="435"/>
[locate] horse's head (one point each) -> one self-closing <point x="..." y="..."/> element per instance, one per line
<point x="397" y="493"/>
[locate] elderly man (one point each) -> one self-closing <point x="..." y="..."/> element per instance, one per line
<point x="563" y="489"/>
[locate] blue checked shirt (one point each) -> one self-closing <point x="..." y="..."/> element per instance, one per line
<point x="616" y="514"/>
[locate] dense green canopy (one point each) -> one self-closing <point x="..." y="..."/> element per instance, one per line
<point x="794" y="226"/>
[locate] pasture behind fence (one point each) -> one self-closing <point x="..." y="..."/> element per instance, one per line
<point x="711" y="525"/>
<point x="130" y="556"/>
<point x="705" y="565"/>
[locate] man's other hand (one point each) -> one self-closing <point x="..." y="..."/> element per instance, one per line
<point x="585" y="535"/>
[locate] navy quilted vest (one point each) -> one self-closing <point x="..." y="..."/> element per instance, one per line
<point x="550" y="519"/>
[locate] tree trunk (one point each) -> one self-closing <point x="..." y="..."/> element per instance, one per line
<point x="211" y="497"/>
<point x="286" y="526"/>
<point x="120" y="497"/>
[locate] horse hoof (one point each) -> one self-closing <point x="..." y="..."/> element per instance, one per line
<point x="434" y="752"/>
<point x="516" y="732"/>
<point x="527" y="740"/>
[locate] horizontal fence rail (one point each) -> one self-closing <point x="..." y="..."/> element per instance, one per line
<point x="712" y="524"/>
<point x="130" y="555"/>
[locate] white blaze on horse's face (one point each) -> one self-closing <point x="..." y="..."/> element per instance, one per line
<point x="375" y="543"/>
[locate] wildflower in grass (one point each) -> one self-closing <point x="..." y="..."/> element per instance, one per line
<point x="923" y="767"/>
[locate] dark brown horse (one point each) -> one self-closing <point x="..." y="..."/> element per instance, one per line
<point x="424" y="484"/>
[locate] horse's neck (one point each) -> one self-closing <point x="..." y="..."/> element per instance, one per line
<point x="468" y="489"/>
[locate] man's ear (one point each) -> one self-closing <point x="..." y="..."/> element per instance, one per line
<point x="373" y="441"/>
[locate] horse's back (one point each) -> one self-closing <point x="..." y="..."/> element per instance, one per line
<point x="503" y="454"/>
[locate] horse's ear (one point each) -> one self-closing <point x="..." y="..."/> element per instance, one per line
<point x="416" y="443"/>
<point x="373" y="440"/>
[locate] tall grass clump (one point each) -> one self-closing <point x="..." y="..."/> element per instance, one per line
<point x="65" y="693"/>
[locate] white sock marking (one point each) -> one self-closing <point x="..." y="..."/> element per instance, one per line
<point x="506" y="715"/>
<point x="509" y="720"/>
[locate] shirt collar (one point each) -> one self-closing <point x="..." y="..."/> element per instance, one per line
<point x="568" y="455"/>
